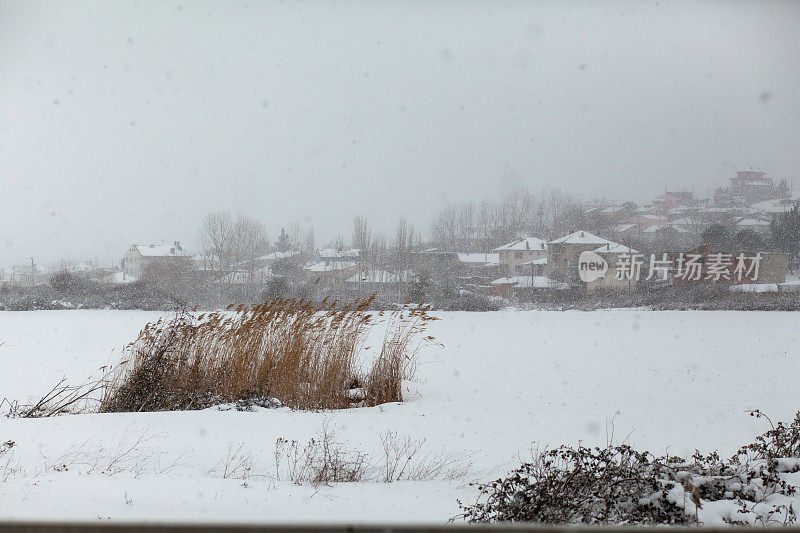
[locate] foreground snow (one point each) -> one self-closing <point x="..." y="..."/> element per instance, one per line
<point x="500" y="384"/>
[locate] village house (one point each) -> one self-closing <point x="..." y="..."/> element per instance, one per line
<point x="515" y="257"/>
<point x="667" y="236"/>
<point x="672" y="199"/>
<point x="388" y="285"/>
<point x="140" y="256"/>
<point x="646" y="220"/>
<point x="477" y="270"/>
<point x="563" y="254"/>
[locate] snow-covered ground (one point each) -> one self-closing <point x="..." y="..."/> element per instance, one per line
<point x="499" y="384"/>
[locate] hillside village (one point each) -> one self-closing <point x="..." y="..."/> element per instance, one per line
<point x="493" y="252"/>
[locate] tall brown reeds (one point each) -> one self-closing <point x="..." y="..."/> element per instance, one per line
<point x="300" y="353"/>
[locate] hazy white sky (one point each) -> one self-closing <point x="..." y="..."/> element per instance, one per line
<point x="126" y="122"/>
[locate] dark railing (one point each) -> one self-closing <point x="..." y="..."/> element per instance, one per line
<point x="107" y="527"/>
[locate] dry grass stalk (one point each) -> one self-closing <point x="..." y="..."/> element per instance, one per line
<point x="301" y="353"/>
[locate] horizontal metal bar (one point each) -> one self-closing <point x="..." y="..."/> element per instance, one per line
<point x="120" y="527"/>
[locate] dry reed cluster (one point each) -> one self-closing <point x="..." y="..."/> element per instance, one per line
<point x="303" y="354"/>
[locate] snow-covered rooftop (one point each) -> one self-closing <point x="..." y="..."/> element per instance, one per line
<point x="527" y="282"/>
<point x="161" y="250"/>
<point x="380" y="276"/>
<point x="531" y="243"/>
<point x="581" y="237"/>
<point x="333" y="253"/>
<point x="655" y="228"/>
<point x="470" y="257"/>
<point x="752" y="222"/>
<point x="330" y="266"/>
<point x="622" y="227"/>
<point x="775" y="206"/>
<point x="278" y="255"/>
<point x="615" y="248"/>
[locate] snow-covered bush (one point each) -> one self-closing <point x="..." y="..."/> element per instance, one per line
<point x="615" y="484"/>
<point x="619" y="485"/>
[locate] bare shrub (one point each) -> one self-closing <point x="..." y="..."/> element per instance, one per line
<point x="300" y="353"/>
<point x="128" y="454"/>
<point x="238" y="463"/>
<point x="322" y="460"/>
<point x="61" y="399"/>
<point x="406" y="459"/>
<point x="7" y="468"/>
<point x="781" y="440"/>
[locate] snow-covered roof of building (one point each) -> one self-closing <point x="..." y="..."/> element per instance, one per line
<point x="527" y="282"/>
<point x="775" y="206"/>
<point x="612" y="209"/>
<point x="615" y="248"/>
<point x="380" y="276"/>
<point x="655" y="228"/>
<point x="161" y="250"/>
<point x="330" y="266"/>
<point x="120" y="277"/>
<point x="333" y="253"/>
<point x="752" y="222"/>
<point x="653" y="217"/>
<point x="278" y="255"/>
<point x="685" y="221"/>
<point x="531" y="243"/>
<point x="470" y="257"/>
<point x="622" y="227"/>
<point x="581" y="237"/>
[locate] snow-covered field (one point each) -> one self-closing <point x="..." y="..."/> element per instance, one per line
<point x="499" y="384"/>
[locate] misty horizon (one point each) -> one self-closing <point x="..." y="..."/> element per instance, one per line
<point x="126" y="124"/>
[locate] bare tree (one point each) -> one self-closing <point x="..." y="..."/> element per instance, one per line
<point x="443" y="228"/>
<point x="309" y="243"/>
<point x="215" y="235"/>
<point x="230" y="244"/>
<point x="249" y="241"/>
<point x="362" y="236"/>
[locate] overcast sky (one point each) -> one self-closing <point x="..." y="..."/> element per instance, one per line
<point x="126" y="122"/>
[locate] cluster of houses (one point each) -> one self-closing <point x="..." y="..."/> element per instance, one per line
<point x="37" y="273"/>
<point x="678" y="218"/>
<point x="668" y="229"/>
